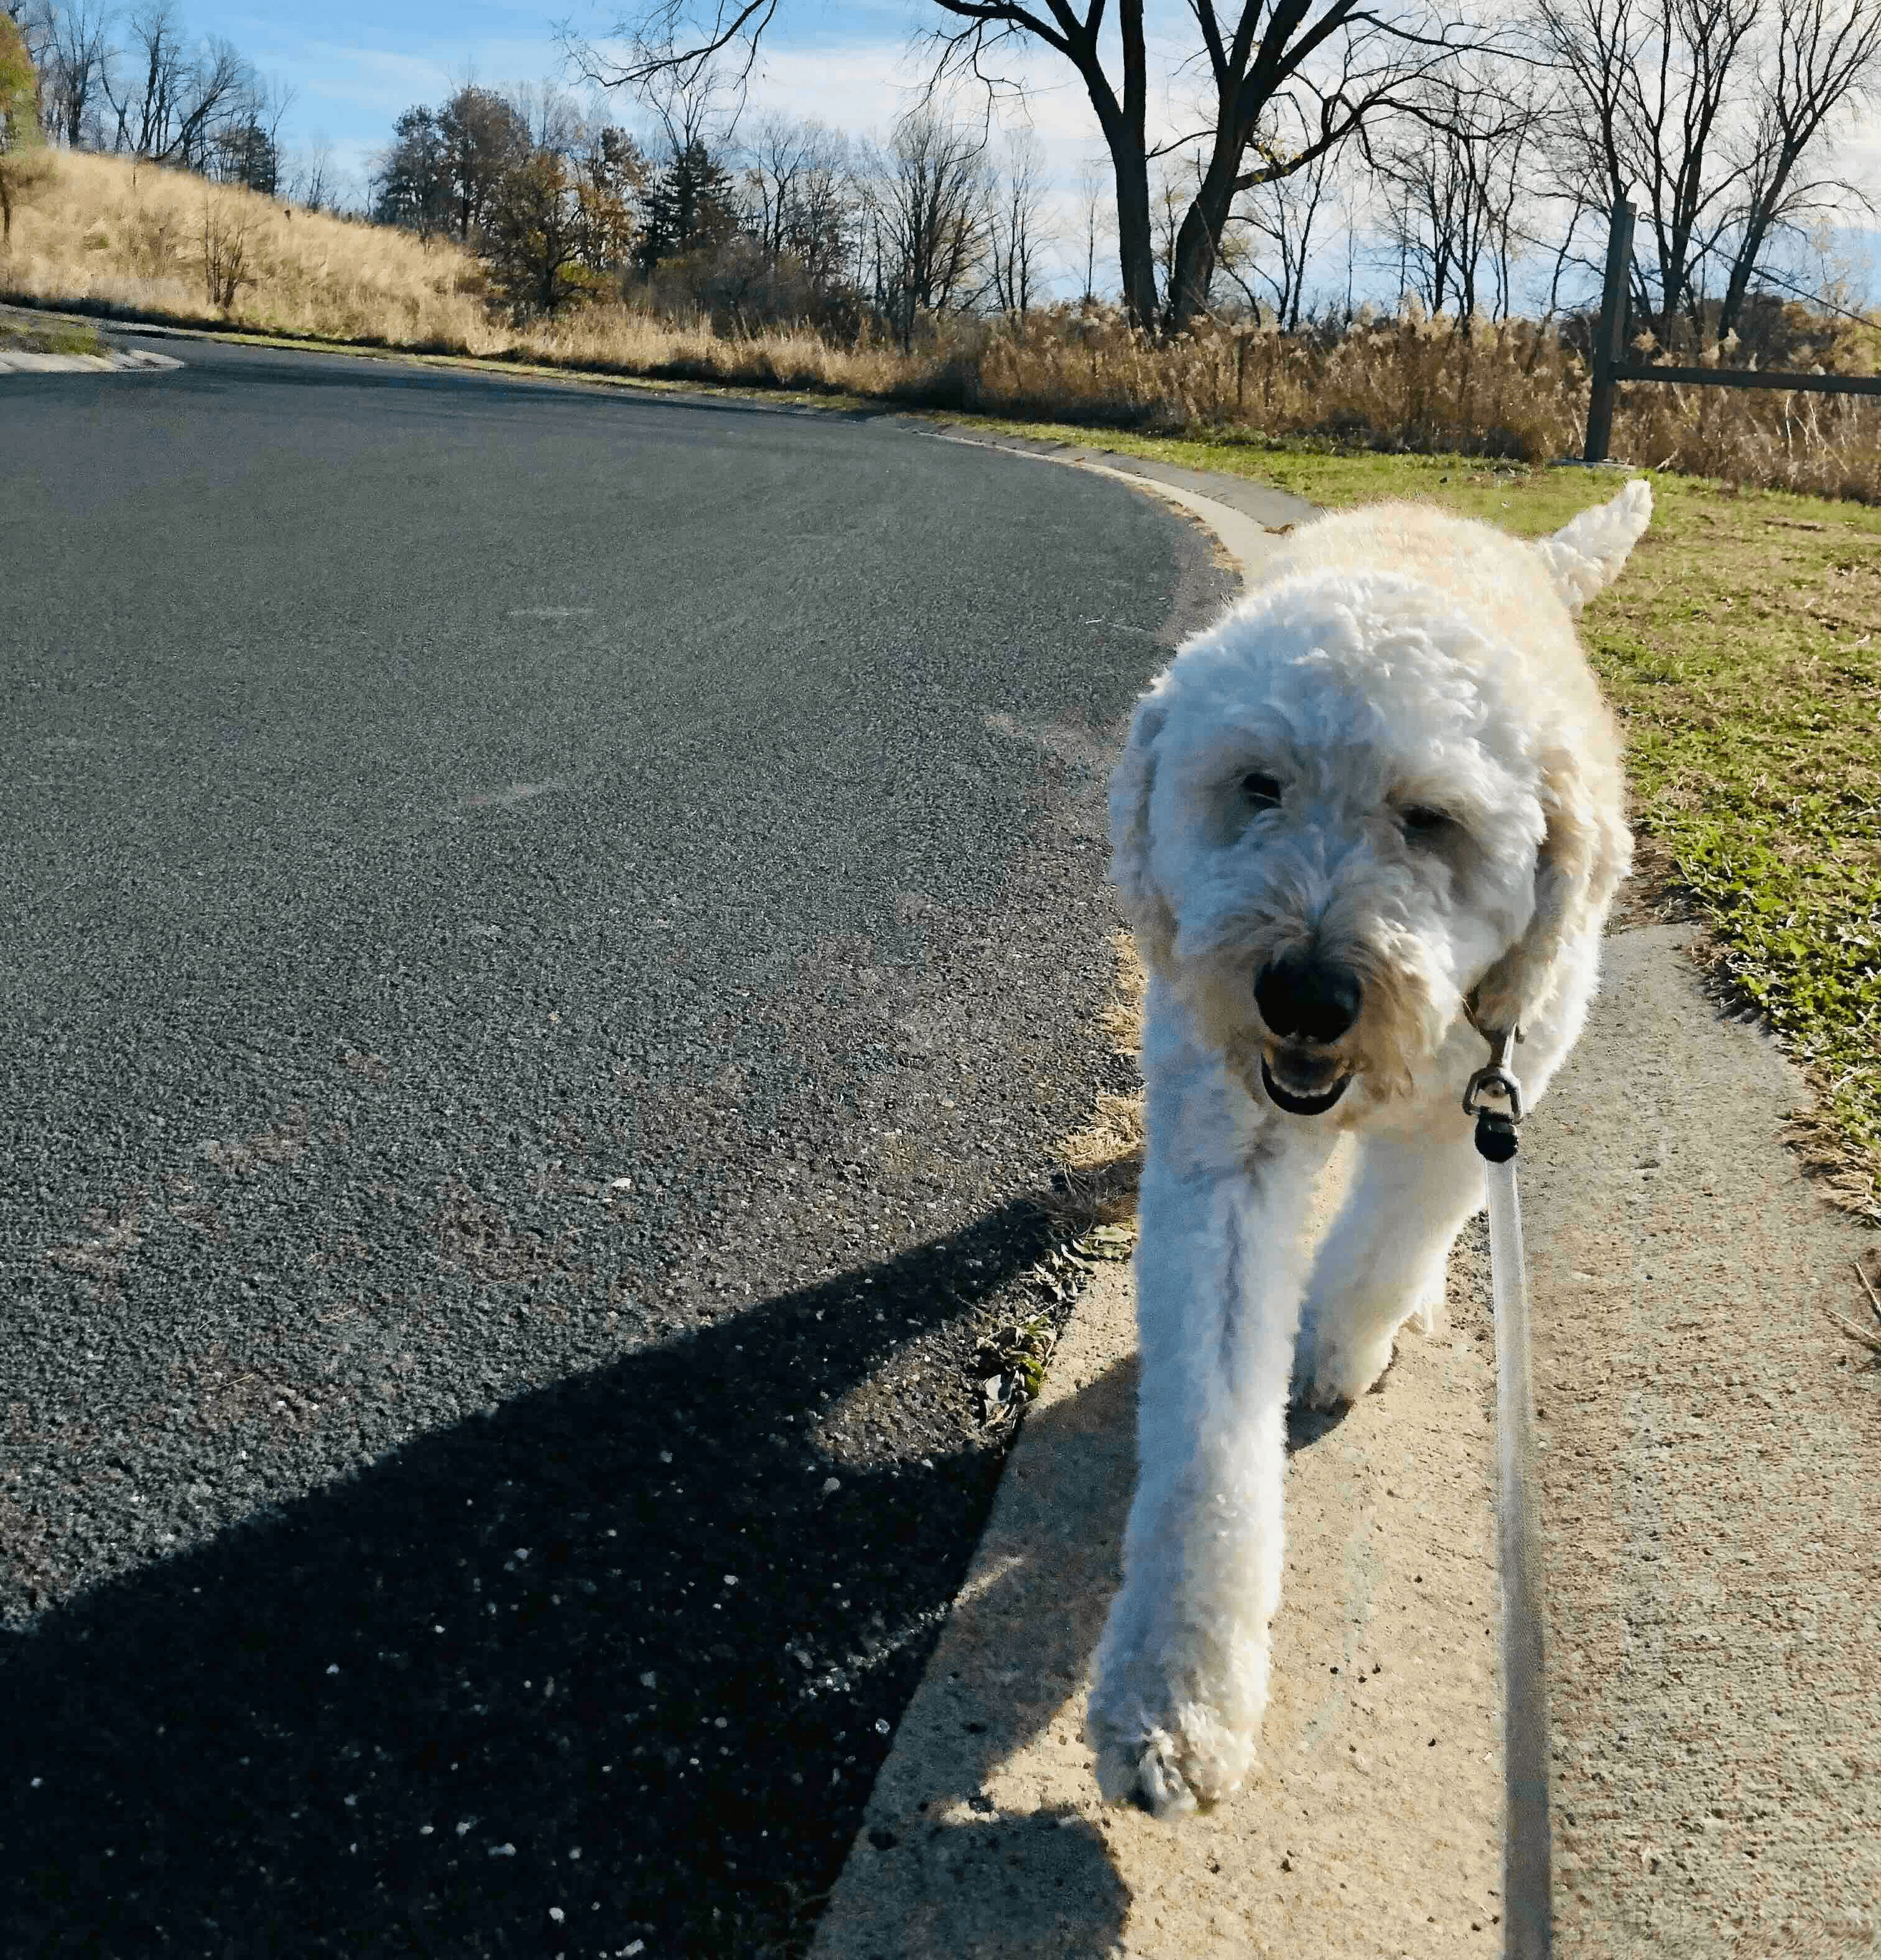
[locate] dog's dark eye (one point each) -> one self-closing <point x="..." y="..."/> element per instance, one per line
<point x="1261" y="790"/>
<point x="1423" y="825"/>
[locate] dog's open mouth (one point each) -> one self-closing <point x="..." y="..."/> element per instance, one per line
<point x="1303" y="1082"/>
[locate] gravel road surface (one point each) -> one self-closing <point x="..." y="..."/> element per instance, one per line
<point x="548" y="936"/>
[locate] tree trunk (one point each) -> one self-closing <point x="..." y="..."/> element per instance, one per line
<point x="1192" y="273"/>
<point x="1739" y="287"/>
<point x="1199" y="242"/>
<point x="1136" y="251"/>
<point x="1750" y="249"/>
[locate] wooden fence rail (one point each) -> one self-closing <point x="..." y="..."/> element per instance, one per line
<point x="1610" y="366"/>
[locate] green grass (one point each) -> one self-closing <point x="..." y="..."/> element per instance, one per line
<point x="1740" y="650"/>
<point x="20" y="333"/>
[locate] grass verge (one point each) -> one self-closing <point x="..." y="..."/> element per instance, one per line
<point x="20" y="333"/>
<point x="1740" y="650"/>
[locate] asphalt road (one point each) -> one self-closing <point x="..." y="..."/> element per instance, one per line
<point x="427" y="801"/>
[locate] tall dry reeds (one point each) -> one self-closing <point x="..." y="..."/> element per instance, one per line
<point x="104" y="233"/>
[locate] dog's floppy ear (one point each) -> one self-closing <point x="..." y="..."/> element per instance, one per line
<point x="1131" y="786"/>
<point x="1586" y="851"/>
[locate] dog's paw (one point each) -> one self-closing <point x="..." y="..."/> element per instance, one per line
<point x="1331" y="1367"/>
<point x="1170" y="1770"/>
<point x="1146" y="1771"/>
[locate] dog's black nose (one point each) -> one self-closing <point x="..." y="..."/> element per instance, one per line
<point x="1299" y="996"/>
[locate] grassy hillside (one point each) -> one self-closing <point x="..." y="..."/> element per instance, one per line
<point x="158" y="241"/>
<point x="103" y="232"/>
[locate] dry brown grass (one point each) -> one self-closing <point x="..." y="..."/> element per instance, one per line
<point x="1506" y="390"/>
<point x="103" y="233"/>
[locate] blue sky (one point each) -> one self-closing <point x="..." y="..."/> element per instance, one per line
<point x="355" y="65"/>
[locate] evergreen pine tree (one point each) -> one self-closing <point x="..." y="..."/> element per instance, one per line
<point x="690" y="205"/>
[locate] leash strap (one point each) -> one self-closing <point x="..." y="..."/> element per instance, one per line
<point x="1527" y="1853"/>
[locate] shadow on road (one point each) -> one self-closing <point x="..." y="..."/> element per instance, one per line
<point x="491" y="1694"/>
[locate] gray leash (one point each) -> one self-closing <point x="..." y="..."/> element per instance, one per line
<point x="1528" y="1912"/>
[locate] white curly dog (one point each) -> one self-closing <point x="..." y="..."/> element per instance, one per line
<point x="1383" y="794"/>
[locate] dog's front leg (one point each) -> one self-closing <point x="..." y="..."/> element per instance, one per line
<point x="1182" y="1669"/>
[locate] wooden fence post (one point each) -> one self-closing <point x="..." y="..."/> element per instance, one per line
<point x="1609" y="342"/>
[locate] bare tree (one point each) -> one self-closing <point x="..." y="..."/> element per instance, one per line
<point x="1506" y="185"/>
<point x="1168" y="198"/>
<point x="172" y="103"/>
<point x="1346" y="60"/>
<point x="692" y="107"/>
<point x="1283" y="215"/>
<point x="1714" y="112"/>
<point x="312" y="184"/>
<point x="1092" y="217"/>
<point x="799" y="196"/>
<point x="777" y="154"/>
<point x="1652" y="81"/>
<point x="548" y="117"/>
<point x="73" y="43"/>
<point x="1824" y="62"/>
<point x="245" y="147"/>
<point x="1451" y="182"/>
<point x="1431" y="224"/>
<point x="820" y="214"/>
<point x="927" y="208"/>
<point x="1016" y="235"/>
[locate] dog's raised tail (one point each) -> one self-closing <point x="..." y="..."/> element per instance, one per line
<point x="1585" y="557"/>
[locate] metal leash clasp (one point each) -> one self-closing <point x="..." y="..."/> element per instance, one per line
<point x="1495" y="1128"/>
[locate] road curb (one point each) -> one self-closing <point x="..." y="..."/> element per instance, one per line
<point x="120" y="361"/>
<point x="1244" y="518"/>
<point x="984" y="1839"/>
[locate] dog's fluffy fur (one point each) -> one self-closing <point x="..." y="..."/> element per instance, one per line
<point x="1384" y="786"/>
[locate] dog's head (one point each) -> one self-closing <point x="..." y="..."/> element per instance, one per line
<point x="1341" y="813"/>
